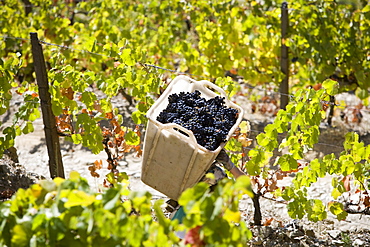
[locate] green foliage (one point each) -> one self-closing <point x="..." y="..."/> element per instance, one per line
<point x="300" y="123"/>
<point x="344" y="165"/>
<point x="217" y="212"/>
<point x="27" y="112"/>
<point x="112" y="41"/>
<point x="100" y="50"/>
<point x="342" y="46"/>
<point x="67" y="213"/>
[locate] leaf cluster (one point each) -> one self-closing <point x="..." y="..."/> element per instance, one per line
<point x="216" y="212"/>
<point x="67" y="213"/>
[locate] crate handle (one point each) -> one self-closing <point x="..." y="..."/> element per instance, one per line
<point x="172" y="127"/>
<point x="207" y="85"/>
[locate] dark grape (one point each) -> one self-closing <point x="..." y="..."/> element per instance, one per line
<point x="209" y="120"/>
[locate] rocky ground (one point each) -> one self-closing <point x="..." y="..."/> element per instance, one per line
<point x="28" y="163"/>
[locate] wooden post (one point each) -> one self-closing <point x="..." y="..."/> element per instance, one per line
<point x="50" y="129"/>
<point x="331" y="109"/>
<point x="284" y="59"/>
<point x="27" y="6"/>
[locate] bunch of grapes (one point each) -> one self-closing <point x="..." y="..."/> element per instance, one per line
<point x="209" y="120"/>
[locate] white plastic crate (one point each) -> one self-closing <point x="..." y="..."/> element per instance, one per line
<point x="173" y="162"/>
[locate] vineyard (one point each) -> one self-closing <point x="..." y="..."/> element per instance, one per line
<point x="78" y="77"/>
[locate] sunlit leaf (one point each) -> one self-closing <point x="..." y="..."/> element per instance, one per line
<point x="79" y="198"/>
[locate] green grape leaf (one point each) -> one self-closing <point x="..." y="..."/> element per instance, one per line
<point x="287" y="163"/>
<point x="366" y="9"/>
<point x="337" y="209"/>
<point x="296" y="209"/>
<point x="21" y="234"/>
<point x="132" y="138"/>
<point x="28" y="128"/>
<point x="127" y="58"/>
<point x="331" y="86"/>
<point x="362" y="93"/>
<point x="319" y="167"/>
<point x="110" y="198"/>
<point x="76" y="138"/>
<point x="316" y="210"/>
<point x="138" y="117"/>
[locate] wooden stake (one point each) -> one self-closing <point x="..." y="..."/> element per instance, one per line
<point x="27" y="6"/>
<point x="284" y="60"/>
<point x="50" y="129"/>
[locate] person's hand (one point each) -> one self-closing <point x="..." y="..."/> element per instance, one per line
<point x="224" y="159"/>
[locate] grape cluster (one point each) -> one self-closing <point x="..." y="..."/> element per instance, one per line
<point x="209" y="120"/>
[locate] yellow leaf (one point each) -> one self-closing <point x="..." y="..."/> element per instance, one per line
<point x="58" y="180"/>
<point x="231" y="216"/>
<point x="19" y="236"/>
<point x="79" y="198"/>
<point x="74" y="175"/>
<point x="36" y="190"/>
<point x="335" y="193"/>
<point x="244" y="140"/>
<point x="244" y="127"/>
<point x="244" y="183"/>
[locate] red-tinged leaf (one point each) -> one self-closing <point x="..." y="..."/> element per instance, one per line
<point x="109" y="115"/>
<point x="254" y="108"/>
<point x="117" y="129"/>
<point x="280" y="223"/>
<point x="234" y="71"/>
<point x="137" y="130"/>
<point x="279" y="176"/>
<point x="139" y="151"/>
<point x="346" y="183"/>
<point x="268" y="222"/>
<point x="325" y="107"/>
<point x="106" y="133"/>
<point x="57" y="120"/>
<point x="272" y="186"/>
<point x="97" y="106"/>
<point x="116" y="64"/>
<point x="34" y="95"/>
<point x="367" y="201"/>
<point x="67" y="92"/>
<point x="359" y="106"/>
<point x="98" y="164"/>
<point x="114" y="123"/>
<point x="192" y="237"/>
<point x="106" y="184"/>
<point x="93" y="172"/>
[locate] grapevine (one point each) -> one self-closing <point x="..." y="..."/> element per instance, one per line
<point x="98" y="50"/>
